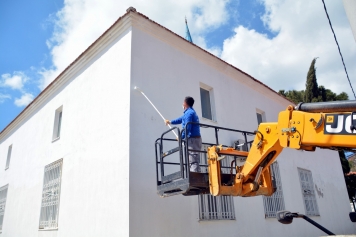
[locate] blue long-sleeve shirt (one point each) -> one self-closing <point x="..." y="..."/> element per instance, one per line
<point x="189" y="115"/>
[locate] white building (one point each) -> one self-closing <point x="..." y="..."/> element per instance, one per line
<point x="80" y="161"/>
<point x="350" y="9"/>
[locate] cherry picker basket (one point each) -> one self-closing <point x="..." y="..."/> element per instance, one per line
<point x="173" y="173"/>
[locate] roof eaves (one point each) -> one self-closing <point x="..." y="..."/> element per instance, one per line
<point x="133" y="11"/>
<point x="269" y="88"/>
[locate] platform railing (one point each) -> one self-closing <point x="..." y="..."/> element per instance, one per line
<point x="183" y="151"/>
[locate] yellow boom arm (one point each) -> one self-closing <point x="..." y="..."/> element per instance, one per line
<point x="326" y="125"/>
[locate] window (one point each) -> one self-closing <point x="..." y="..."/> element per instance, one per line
<point x="260" y="116"/>
<point x="50" y="195"/>
<point x="215" y="208"/>
<point x="57" y="123"/>
<point x="274" y="203"/>
<point x="207" y="102"/>
<point x="307" y="185"/>
<point x="3" y="195"/>
<point x="8" y="157"/>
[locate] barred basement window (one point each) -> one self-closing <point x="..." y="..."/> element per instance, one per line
<point x="274" y="203"/>
<point x="51" y="195"/>
<point x="307" y="185"/>
<point x="3" y="195"/>
<point x="215" y="208"/>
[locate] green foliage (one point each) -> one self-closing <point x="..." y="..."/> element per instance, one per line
<point x="313" y="92"/>
<point x="331" y="96"/>
<point x="342" y="96"/>
<point x="282" y="92"/>
<point x="311" y="86"/>
<point x="322" y="93"/>
<point x="293" y="95"/>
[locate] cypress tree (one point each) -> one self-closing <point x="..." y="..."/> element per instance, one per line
<point x="311" y="90"/>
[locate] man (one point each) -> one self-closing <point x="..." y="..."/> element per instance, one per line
<point x="193" y="132"/>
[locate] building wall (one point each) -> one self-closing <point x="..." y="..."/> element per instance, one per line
<point x="350" y="9"/>
<point x="167" y="70"/>
<point x="93" y="144"/>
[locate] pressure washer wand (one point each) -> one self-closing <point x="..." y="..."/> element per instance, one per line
<point x="138" y="89"/>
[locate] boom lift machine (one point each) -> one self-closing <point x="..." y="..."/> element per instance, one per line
<point x="327" y="125"/>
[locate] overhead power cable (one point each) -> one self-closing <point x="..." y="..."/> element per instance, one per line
<point x="342" y="59"/>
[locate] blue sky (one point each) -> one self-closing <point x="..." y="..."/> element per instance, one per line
<point x="25" y="26"/>
<point x="274" y="41"/>
<point x="246" y="13"/>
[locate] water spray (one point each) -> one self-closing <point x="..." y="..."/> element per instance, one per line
<point x="138" y="89"/>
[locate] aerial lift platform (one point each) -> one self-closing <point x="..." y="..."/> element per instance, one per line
<point x="174" y="177"/>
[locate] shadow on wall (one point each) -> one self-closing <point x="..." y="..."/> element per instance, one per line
<point x="319" y="191"/>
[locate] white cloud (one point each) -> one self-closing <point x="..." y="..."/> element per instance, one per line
<point x="15" y="81"/>
<point x="47" y="76"/>
<point x="303" y="33"/>
<point x="81" y="22"/>
<point x="281" y="62"/>
<point x="25" y="99"/>
<point x="4" y="97"/>
<point x="200" y="40"/>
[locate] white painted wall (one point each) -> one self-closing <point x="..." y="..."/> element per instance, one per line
<point x="167" y="72"/>
<point x="94" y="197"/>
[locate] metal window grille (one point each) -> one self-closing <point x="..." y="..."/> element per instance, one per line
<point x="3" y="195"/>
<point x="215" y="208"/>
<point x="8" y="157"/>
<point x="308" y="192"/>
<point x="205" y="104"/>
<point x="224" y="162"/>
<point x="274" y="203"/>
<point x="51" y="195"/>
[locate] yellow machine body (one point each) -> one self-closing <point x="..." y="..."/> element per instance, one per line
<point x="294" y="129"/>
